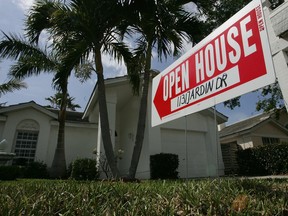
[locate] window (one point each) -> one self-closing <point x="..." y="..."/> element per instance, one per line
<point x="25" y="142"/>
<point x="270" y="140"/>
<point x="25" y="147"/>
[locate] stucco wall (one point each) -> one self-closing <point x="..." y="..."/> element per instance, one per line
<point x="16" y="117"/>
<point x="257" y="141"/>
<point x="128" y="117"/>
<point x="80" y="141"/>
<point x="80" y="138"/>
<point x="270" y="130"/>
<point x="196" y="134"/>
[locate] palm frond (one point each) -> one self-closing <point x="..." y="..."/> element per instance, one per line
<point x="118" y="51"/>
<point x="135" y="69"/>
<point x="166" y="25"/>
<point x="77" y="53"/>
<point x="56" y="100"/>
<point x="33" y="65"/>
<point x="39" y="18"/>
<point x="60" y="80"/>
<point x="11" y="85"/>
<point x="13" y="46"/>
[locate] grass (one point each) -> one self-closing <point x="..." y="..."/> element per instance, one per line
<point x="193" y="197"/>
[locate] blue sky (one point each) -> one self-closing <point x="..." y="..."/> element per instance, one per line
<point x="12" y="15"/>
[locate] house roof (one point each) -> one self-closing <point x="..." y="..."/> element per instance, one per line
<point x="16" y="107"/>
<point x="71" y="116"/>
<point x="249" y="123"/>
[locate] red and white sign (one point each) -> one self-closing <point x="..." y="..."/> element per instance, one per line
<point x="233" y="60"/>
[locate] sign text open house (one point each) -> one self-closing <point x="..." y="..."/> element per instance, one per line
<point x="233" y="60"/>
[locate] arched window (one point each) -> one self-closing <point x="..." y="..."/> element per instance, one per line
<point x="26" y="141"/>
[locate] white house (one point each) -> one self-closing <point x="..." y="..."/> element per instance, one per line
<point x="193" y="138"/>
<point x="255" y="131"/>
<point x="31" y="132"/>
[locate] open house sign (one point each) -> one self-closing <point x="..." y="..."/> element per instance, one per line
<point x="231" y="61"/>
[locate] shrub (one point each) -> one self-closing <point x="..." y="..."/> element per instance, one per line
<point x="9" y="172"/>
<point x="164" y="166"/>
<point x="264" y="160"/>
<point x="84" y="169"/>
<point x="249" y="164"/>
<point x="35" y="169"/>
<point x="20" y="162"/>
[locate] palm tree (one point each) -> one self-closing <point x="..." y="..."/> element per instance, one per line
<point x="11" y="85"/>
<point x="56" y="100"/>
<point x="159" y="25"/>
<point x="86" y="28"/>
<point x="31" y="60"/>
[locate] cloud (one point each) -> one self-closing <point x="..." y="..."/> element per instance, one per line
<point x="112" y="68"/>
<point x="191" y="7"/>
<point x="24" y="5"/>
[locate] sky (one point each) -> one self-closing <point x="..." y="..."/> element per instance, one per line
<point x="12" y="16"/>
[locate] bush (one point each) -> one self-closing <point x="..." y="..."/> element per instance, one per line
<point x="9" y="172"/>
<point x="35" y="169"/>
<point x="31" y="170"/>
<point x="20" y="161"/>
<point x="84" y="169"/>
<point x="264" y="160"/>
<point x="164" y="166"/>
<point x="249" y="164"/>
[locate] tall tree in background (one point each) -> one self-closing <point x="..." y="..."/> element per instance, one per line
<point x="162" y="26"/>
<point x="56" y="101"/>
<point x="31" y="61"/>
<point x="87" y="29"/>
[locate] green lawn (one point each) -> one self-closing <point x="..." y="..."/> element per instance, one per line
<point x="193" y="197"/>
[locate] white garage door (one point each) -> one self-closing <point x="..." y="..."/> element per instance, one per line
<point x="174" y="141"/>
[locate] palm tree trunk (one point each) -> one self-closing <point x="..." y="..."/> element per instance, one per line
<point x="58" y="168"/>
<point x="142" y="117"/>
<point x="107" y="143"/>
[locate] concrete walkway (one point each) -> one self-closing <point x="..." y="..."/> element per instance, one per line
<point x="265" y="177"/>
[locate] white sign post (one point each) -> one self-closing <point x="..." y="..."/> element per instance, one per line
<point x="233" y="60"/>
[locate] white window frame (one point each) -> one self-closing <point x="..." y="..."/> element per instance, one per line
<point x="26" y="144"/>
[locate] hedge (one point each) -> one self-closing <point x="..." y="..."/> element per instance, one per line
<point x="9" y="172"/>
<point x="264" y="160"/>
<point x="164" y="166"/>
<point x="84" y="169"/>
<point x="34" y="169"/>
